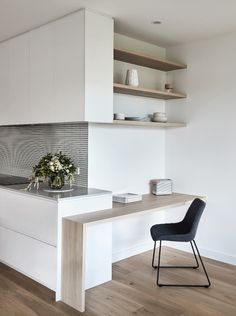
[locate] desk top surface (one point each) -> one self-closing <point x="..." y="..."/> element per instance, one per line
<point x="149" y="203"/>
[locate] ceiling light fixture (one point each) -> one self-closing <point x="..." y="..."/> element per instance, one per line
<point x="156" y="22"/>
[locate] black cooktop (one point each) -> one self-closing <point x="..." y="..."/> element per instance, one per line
<point x="6" y="180"/>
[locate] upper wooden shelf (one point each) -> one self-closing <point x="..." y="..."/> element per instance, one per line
<point x="146" y="61"/>
<point x="150" y="93"/>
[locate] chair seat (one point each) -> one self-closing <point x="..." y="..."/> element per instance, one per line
<point x="170" y="232"/>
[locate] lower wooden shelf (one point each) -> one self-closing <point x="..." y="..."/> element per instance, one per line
<point x="148" y="124"/>
<point x="141" y="124"/>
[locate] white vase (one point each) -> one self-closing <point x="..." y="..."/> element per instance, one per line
<point x="132" y="78"/>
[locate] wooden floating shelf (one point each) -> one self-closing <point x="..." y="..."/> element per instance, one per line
<point x="148" y="124"/>
<point x="146" y="61"/>
<point x="124" y="89"/>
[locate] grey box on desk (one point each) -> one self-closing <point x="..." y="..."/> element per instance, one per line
<point x="161" y="186"/>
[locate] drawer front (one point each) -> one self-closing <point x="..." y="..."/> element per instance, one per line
<point x="28" y="215"/>
<point x="29" y="256"/>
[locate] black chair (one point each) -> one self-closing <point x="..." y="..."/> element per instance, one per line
<point x="183" y="231"/>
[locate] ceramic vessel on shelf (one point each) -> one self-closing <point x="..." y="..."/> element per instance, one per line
<point x="168" y="87"/>
<point x="132" y="78"/>
<point x="119" y="116"/>
<point x="159" y="117"/>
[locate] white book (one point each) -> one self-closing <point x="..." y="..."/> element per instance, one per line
<point x="127" y="197"/>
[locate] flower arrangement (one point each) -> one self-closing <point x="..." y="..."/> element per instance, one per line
<point x="53" y="169"/>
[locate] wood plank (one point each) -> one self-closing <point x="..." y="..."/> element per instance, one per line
<point x="149" y="93"/>
<point x="150" y="203"/>
<point x="142" y="124"/>
<point x="132" y="292"/>
<point x="73" y="265"/>
<point x="148" y="124"/>
<point x="146" y="61"/>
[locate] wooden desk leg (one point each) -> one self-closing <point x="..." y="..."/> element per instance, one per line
<point x="73" y="264"/>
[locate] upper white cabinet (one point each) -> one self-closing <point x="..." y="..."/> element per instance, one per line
<point x="4" y="83"/>
<point x="14" y="80"/>
<point x="60" y="72"/>
<point x="41" y="76"/>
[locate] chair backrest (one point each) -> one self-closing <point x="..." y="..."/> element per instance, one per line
<point x="192" y="217"/>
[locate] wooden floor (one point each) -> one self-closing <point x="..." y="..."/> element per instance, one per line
<point x="132" y="292"/>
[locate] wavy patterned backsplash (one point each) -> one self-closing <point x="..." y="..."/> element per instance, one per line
<point x="21" y="147"/>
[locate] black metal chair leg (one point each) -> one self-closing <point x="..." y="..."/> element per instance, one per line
<point x="153" y="256"/>
<point x="183" y="285"/>
<point x="197" y="266"/>
<point x="158" y="264"/>
<point x="209" y="282"/>
<point x="175" y="267"/>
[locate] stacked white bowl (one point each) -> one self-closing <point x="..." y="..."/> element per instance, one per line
<point x="159" y="117"/>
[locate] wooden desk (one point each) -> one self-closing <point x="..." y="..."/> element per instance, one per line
<point x="75" y="235"/>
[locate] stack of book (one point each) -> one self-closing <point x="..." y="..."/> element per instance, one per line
<point x="127" y="197"/>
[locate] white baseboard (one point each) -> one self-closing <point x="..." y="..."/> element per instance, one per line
<point x="133" y="251"/>
<point x="212" y="254"/>
<point x="137" y="249"/>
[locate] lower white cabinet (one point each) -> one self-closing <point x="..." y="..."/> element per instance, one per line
<point x="29" y="256"/>
<point x="31" y="233"/>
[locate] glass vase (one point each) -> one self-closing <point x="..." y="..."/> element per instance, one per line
<point x="56" y="182"/>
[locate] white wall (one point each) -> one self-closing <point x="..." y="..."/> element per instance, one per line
<point x="124" y="159"/>
<point x="201" y="158"/>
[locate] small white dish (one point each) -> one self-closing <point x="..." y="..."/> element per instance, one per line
<point x="134" y="118"/>
<point x="160" y="119"/>
<point x="159" y="114"/>
<point x="58" y="191"/>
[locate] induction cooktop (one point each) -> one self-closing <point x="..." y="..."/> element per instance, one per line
<point x="6" y="179"/>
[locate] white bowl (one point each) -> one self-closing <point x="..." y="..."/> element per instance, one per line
<point x="160" y="119"/>
<point x="159" y="114"/>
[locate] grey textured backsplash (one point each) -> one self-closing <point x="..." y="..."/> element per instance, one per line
<point x="21" y="147"/>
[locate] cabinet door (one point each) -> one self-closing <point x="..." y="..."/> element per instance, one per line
<point x="57" y="71"/>
<point x="14" y="81"/>
<point x="42" y="75"/>
<point x="4" y="83"/>
<point x="18" y="110"/>
<point x="98" y="68"/>
<point x="69" y="67"/>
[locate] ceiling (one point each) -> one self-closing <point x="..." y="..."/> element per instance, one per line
<point x="182" y="20"/>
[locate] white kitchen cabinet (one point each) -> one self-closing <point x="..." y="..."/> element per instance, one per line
<point x="19" y="106"/>
<point x="60" y="72"/>
<point x="4" y="82"/>
<point x="57" y="71"/>
<point x="14" y="80"/>
<point x="69" y="67"/>
<point x="41" y="73"/>
<point x="31" y="231"/>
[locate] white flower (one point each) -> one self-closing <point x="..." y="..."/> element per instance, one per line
<point x="51" y="168"/>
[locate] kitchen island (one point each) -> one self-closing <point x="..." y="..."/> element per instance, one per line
<point x="31" y="230"/>
<point x="64" y="241"/>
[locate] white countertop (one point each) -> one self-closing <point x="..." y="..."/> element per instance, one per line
<point x="78" y="192"/>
